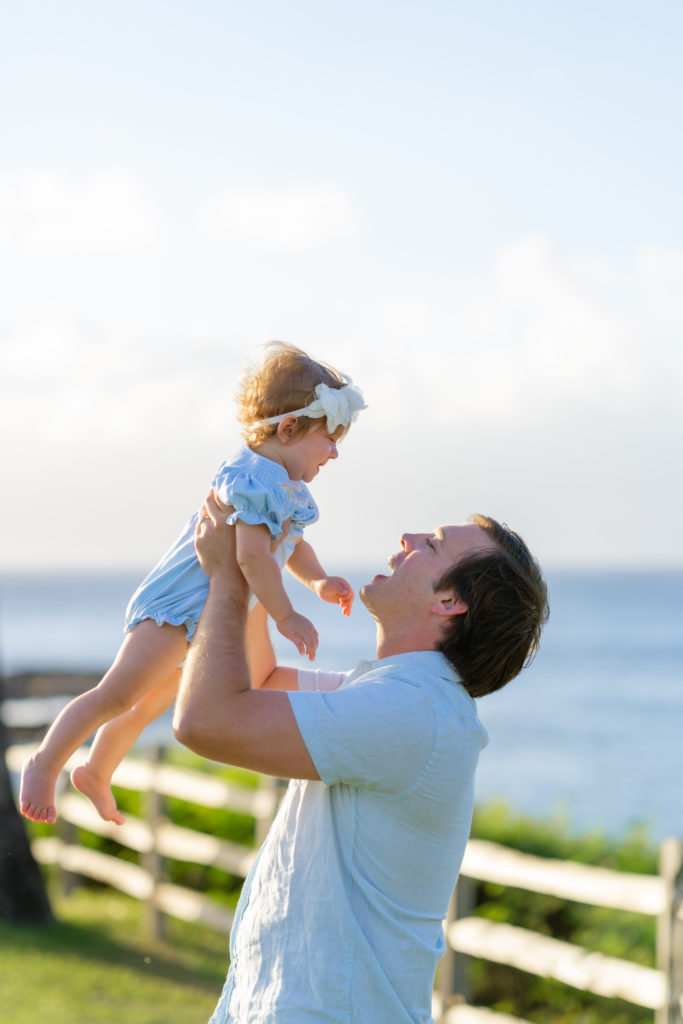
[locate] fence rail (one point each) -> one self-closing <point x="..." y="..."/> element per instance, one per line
<point x="156" y="838"/>
<point x="661" y="896"/>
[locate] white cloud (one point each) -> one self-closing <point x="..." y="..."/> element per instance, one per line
<point x="72" y="389"/>
<point x="43" y="214"/>
<point x="549" y="385"/>
<point x="661" y="265"/>
<point x="568" y="343"/>
<point x="543" y="337"/>
<point x="282" y="219"/>
<point x="660" y="271"/>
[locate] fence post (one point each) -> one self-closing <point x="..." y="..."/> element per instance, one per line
<point x="670" y="932"/>
<point x="276" y="788"/>
<point x="454" y="982"/>
<point x="152" y="860"/>
<point x="68" y="881"/>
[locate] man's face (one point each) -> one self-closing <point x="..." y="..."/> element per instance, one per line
<point x="422" y="560"/>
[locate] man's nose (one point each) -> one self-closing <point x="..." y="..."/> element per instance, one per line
<point x="407" y="541"/>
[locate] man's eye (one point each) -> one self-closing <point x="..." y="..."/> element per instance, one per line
<point x="430" y="544"/>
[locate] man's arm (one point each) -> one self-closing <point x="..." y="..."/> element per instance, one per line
<point x="217" y="713"/>
<point x="264" y="671"/>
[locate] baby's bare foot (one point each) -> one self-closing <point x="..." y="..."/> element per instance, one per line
<point x="37" y="793"/>
<point x="98" y="791"/>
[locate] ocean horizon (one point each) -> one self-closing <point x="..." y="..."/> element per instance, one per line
<point x="590" y="733"/>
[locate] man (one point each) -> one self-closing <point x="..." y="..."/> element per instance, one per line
<point x="341" y="917"/>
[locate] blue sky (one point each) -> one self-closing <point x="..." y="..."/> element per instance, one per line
<point x="472" y="209"/>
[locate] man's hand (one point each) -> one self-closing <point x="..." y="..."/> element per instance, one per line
<point x="301" y="632"/>
<point x="214" y="542"/>
<point x="335" y="590"/>
<point x="217" y="713"/>
<point x="277" y="541"/>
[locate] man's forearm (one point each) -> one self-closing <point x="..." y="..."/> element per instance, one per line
<point x="217" y="714"/>
<point x="216" y="667"/>
<point x="264" y="671"/>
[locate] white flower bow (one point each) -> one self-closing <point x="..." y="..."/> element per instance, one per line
<point x="339" y="405"/>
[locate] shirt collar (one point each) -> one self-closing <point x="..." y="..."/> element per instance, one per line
<point x="426" y="661"/>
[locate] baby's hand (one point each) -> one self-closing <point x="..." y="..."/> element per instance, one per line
<point x="336" y="590"/>
<point x="301" y="632"/>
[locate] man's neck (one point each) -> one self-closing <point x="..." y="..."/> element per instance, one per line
<point x="389" y="645"/>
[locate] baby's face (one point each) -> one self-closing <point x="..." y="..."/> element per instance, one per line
<point x="305" y="456"/>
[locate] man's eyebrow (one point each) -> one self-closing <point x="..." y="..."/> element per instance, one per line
<point x="438" y="533"/>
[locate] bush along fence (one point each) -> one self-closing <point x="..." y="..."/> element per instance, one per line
<point x="156" y="840"/>
<point x="659" y="989"/>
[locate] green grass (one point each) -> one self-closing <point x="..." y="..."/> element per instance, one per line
<point x="95" y="966"/>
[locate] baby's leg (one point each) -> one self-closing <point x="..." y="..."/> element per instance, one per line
<point x="148" y="655"/>
<point x="112" y="743"/>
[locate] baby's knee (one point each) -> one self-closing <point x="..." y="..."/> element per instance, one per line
<point x="112" y="702"/>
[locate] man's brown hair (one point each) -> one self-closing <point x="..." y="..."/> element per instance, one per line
<point x="507" y="606"/>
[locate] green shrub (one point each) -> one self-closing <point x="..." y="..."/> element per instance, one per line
<point x="612" y="932"/>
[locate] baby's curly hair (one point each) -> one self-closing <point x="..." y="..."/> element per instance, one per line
<point x="285" y="379"/>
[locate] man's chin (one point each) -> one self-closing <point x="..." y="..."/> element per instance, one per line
<point x="369" y="590"/>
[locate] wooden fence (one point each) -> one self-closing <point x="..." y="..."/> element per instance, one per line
<point x="155" y="838"/>
<point x="659" y="989"/>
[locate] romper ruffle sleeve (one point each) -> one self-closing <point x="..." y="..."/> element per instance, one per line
<point x="260" y="492"/>
<point x="253" y="502"/>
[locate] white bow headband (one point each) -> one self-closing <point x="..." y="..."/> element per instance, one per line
<point x="340" y="405"/>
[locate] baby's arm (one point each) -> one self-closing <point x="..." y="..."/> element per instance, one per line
<point x="304" y="564"/>
<point x="263" y="575"/>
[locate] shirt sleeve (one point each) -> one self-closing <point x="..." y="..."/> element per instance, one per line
<point x="253" y="502"/>
<point x="374" y="734"/>
<point x="311" y="679"/>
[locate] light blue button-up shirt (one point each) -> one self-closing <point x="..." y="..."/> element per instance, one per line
<point x="340" y="920"/>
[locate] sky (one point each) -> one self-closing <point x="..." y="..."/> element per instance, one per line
<point x="472" y="209"/>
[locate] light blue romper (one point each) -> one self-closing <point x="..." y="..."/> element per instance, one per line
<point x="260" y="491"/>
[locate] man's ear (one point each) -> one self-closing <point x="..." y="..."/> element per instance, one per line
<point x="448" y="604"/>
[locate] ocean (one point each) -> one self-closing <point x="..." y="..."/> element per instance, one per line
<point x="591" y="733"/>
